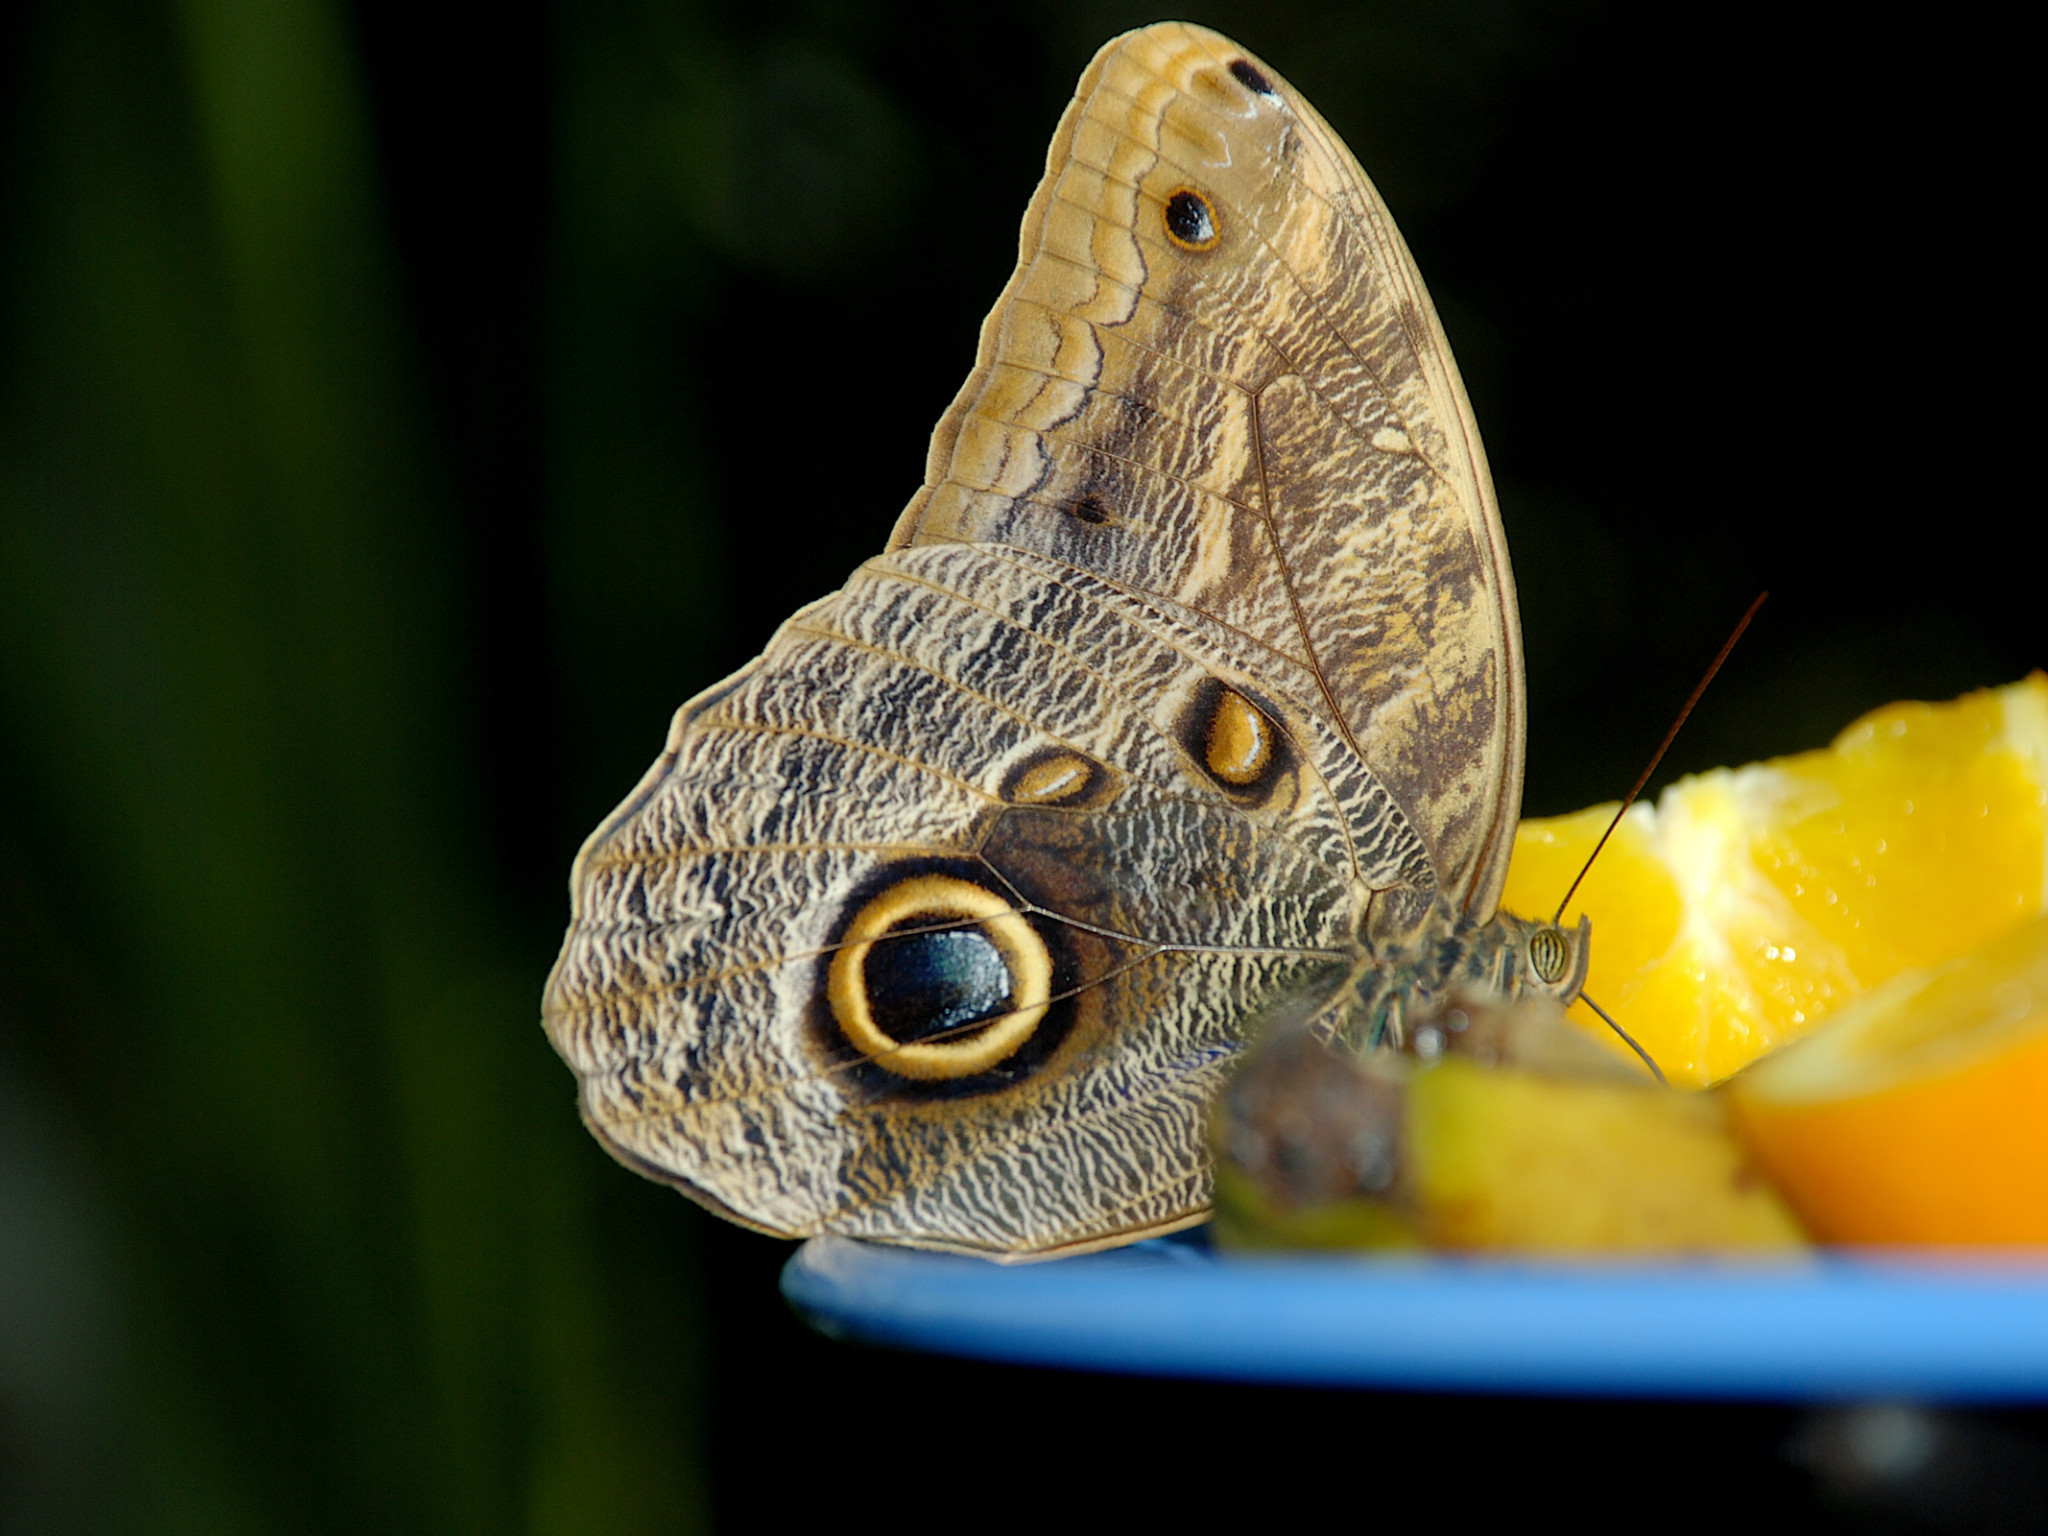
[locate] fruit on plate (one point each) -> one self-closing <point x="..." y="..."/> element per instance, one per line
<point x="1507" y="1133"/>
<point x="1919" y="1112"/>
<point x="1748" y="904"/>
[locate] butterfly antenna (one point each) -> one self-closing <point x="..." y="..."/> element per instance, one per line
<point x="1629" y="1039"/>
<point x="1656" y="758"/>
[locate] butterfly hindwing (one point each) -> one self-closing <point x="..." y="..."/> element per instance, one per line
<point x="1069" y="784"/>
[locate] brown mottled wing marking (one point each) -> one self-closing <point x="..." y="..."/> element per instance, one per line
<point x="1269" y="431"/>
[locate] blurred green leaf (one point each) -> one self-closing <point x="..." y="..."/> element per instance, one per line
<point x="362" y="1286"/>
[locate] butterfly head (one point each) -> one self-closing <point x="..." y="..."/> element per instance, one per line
<point x="1554" y="958"/>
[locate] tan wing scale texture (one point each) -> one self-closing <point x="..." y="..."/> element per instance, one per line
<point x="1269" y="430"/>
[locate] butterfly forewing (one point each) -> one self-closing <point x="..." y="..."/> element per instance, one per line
<point x="1264" y="425"/>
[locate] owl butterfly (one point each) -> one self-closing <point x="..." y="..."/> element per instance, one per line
<point x="1185" y="701"/>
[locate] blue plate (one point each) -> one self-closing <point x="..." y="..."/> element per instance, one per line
<point x="1953" y="1329"/>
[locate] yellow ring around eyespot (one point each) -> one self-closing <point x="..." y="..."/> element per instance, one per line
<point x="939" y="900"/>
<point x="1207" y="211"/>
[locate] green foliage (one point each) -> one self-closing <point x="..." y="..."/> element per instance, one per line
<point x="247" y="933"/>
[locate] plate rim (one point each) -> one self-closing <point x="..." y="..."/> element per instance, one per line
<point x="1842" y="1325"/>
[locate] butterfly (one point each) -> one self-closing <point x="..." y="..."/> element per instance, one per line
<point x="1185" y="702"/>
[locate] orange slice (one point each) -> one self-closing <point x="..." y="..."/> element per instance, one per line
<point x="1747" y="904"/>
<point x="1919" y="1113"/>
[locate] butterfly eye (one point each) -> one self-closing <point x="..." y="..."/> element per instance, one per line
<point x="1191" y="221"/>
<point x="939" y="978"/>
<point x="1548" y="956"/>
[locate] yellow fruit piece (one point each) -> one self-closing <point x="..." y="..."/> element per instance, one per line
<point x="1513" y="1135"/>
<point x="1244" y="1216"/>
<point x="1747" y="904"/>
<point x="1919" y="1113"/>
<point x="1526" y="1162"/>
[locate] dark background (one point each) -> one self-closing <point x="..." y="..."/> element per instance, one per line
<point x="404" y="406"/>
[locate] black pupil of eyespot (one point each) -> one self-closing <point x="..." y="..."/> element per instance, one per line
<point x="1189" y="218"/>
<point x="923" y="984"/>
<point x="1248" y="75"/>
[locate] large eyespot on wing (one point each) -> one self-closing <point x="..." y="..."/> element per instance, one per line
<point x="1216" y="377"/>
<point x="939" y="978"/>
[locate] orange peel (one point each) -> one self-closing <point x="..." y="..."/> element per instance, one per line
<point x="1919" y="1113"/>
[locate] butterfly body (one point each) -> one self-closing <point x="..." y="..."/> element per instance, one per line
<point x="1184" y="703"/>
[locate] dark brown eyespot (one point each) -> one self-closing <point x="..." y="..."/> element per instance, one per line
<point x="1191" y="221"/>
<point x="939" y="978"/>
<point x="1548" y="955"/>
<point x="1249" y="77"/>
<point x="1089" y="509"/>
